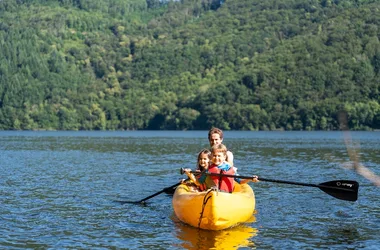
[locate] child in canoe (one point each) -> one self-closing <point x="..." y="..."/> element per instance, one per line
<point x="203" y="162"/>
<point x="218" y="166"/>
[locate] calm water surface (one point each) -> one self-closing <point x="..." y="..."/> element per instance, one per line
<point x="58" y="190"/>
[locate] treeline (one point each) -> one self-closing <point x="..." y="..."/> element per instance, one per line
<point x="189" y="64"/>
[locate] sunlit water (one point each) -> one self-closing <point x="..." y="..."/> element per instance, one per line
<point x="58" y="190"/>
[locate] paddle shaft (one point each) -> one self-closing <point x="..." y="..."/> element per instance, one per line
<point x="290" y="182"/>
<point x="340" y="189"/>
<point x="284" y="182"/>
<point x="159" y="192"/>
<point x="153" y="195"/>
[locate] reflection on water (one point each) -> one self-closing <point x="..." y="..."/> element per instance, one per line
<point x="233" y="238"/>
<point x="341" y="235"/>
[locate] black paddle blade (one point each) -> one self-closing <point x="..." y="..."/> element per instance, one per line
<point x="170" y="191"/>
<point x="143" y="203"/>
<point x="341" y="189"/>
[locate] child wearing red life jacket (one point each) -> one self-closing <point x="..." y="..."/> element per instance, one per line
<point x="218" y="166"/>
<point x="203" y="162"/>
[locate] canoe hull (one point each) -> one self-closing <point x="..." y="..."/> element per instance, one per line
<point x="212" y="210"/>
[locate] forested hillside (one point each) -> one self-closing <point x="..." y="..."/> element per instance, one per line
<point x="189" y="64"/>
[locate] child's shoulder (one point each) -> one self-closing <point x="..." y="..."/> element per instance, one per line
<point x="225" y="166"/>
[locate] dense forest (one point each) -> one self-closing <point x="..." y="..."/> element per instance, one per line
<point x="189" y="64"/>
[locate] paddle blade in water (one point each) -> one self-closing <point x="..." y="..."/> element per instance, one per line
<point x="341" y="189"/>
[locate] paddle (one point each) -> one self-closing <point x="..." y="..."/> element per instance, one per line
<point x="142" y="201"/>
<point x="340" y="189"/>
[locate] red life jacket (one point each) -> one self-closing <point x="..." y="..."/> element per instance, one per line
<point x="208" y="182"/>
<point x="202" y="187"/>
<point x="223" y="183"/>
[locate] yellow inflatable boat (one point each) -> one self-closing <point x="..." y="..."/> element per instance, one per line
<point x="211" y="209"/>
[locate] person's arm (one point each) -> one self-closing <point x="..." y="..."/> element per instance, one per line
<point x="191" y="176"/>
<point x="255" y="178"/>
<point x="230" y="158"/>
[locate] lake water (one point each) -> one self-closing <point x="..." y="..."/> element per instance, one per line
<point x="58" y="190"/>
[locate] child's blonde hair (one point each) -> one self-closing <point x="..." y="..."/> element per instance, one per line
<point x="219" y="148"/>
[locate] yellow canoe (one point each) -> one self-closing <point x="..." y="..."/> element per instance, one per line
<point x="213" y="210"/>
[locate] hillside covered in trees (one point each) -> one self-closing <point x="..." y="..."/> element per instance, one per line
<point x="189" y="64"/>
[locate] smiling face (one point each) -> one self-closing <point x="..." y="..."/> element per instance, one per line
<point x="218" y="157"/>
<point x="218" y="154"/>
<point x="204" y="160"/>
<point x="215" y="139"/>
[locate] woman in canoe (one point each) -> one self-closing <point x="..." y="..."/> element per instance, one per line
<point x="215" y="137"/>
